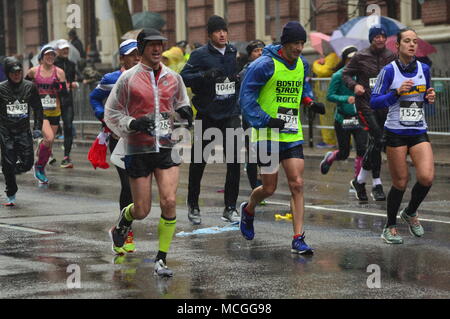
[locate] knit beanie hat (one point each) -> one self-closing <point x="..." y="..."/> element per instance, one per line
<point x="376" y="30"/>
<point x="293" y="32"/>
<point x="216" y="23"/>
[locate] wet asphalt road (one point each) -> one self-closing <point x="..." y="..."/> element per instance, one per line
<point x="80" y="205"/>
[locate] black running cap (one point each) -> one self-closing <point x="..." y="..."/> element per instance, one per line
<point x="150" y="35"/>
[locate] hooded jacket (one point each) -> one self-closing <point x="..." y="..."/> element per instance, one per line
<point x="205" y="100"/>
<point x="257" y="75"/>
<point x="16" y="102"/>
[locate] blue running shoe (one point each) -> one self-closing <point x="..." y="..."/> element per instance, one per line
<point x="300" y="247"/>
<point x="246" y="223"/>
<point x="39" y="174"/>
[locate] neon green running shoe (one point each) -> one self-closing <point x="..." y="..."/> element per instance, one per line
<point x="129" y="246"/>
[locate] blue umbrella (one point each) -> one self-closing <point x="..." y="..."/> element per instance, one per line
<point x="358" y="28"/>
<point x="339" y="42"/>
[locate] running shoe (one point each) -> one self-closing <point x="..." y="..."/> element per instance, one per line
<point x="162" y="270"/>
<point x="52" y="161"/>
<point x="66" y="162"/>
<point x="129" y="246"/>
<point x="325" y="165"/>
<point x="194" y="214"/>
<point x="413" y="223"/>
<point x="391" y="236"/>
<point x="325" y="145"/>
<point x="39" y="174"/>
<point x="299" y="246"/>
<point x="118" y="237"/>
<point x="10" y="201"/>
<point x="246" y="223"/>
<point x="377" y="193"/>
<point x="360" y="190"/>
<point x="230" y="214"/>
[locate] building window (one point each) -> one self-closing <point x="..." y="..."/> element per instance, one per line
<point x="416" y="9"/>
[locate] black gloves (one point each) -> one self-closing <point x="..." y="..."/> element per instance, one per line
<point x="276" y="123"/>
<point x="186" y="113"/>
<point x="37" y="134"/>
<point x="143" y="124"/>
<point x="213" y="74"/>
<point x="317" y="107"/>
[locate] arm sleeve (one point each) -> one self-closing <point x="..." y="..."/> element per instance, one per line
<point x="181" y="96"/>
<point x="116" y="113"/>
<point x="351" y="70"/>
<point x="97" y="96"/>
<point x="192" y="72"/>
<point x="308" y="94"/>
<point x="382" y="97"/>
<point x="333" y="90"/>
<point x="426" y="72"/>
<point x="256" y="77"/>
<point x="38" y="111"/>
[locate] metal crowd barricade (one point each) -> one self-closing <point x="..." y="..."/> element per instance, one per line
<point x="437" y="115"/>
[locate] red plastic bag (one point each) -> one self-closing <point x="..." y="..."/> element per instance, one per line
<point x="97" y="153"/>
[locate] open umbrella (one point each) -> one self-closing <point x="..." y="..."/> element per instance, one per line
<point x="423" y="47"/>
<point x="338" y="42"/>
<point x="318" y="40"/>
<point x="358" y="28"/>
<point x="148" y="19"/>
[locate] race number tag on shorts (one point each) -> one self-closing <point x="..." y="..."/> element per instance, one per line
<point x="351" y="123"/>
<point x="48" y="102"/>
<point x="17" y="109"/>
<point x="372" y="82"/>
<point x="290" y="116"/>
<point x="411" y="113"/>
<point x="226" y="88"/>
<point x="164" y="125"/>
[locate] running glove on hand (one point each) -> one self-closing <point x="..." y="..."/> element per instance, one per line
<point x="186" y="113"/>
<point x="143" y="124"/>
<point x="276" y="123"/>
<point x="213" y="74"/>
<point x="317" y="107"/>
<point x="37" y="134"/>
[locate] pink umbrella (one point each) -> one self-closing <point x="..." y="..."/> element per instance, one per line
<point x="423" y="48"/>
<point x="317" y="39"/>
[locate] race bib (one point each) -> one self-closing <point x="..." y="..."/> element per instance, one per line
<point x="411" y="113"/>
<point x="17" y="109"/>
<point x="351" y="123"/>
<point x="372" y="82"/>
<point x="290" y="116"/>
<point x="164" y="125"/>
<point x="49" y="102"/>
<point x="226" y="88"/>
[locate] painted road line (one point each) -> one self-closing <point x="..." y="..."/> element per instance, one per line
<point x="354" y="212"/>
<point x="26" y="229"/>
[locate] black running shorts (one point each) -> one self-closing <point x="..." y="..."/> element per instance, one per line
<point x="396" y="140"/>
<point x="294" y="152"/>
<point x="54" y="120"/>
<point x="142" y="165"/>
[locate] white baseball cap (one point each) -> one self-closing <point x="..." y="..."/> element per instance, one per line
<point x="62" y="44"/>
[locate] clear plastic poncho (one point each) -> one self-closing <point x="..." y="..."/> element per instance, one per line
<point x="138" y="93"/>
